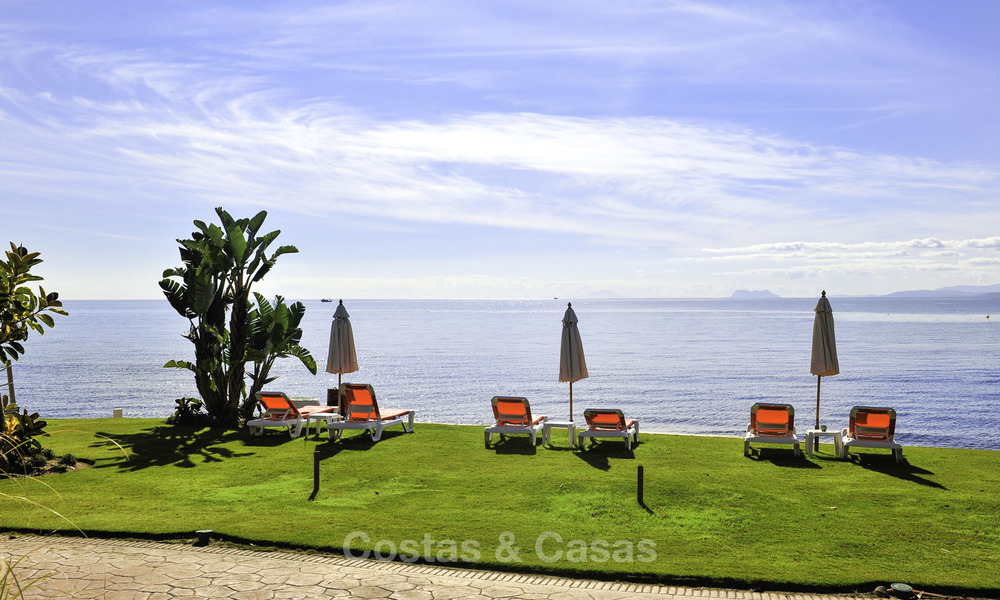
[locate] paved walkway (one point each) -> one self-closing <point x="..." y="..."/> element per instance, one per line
<point x="121" y="570"/>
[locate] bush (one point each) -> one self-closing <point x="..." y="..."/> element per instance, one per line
<point x="190" y="411"/>
<point x="68" y="459"/>
<point x="17" y="435"/>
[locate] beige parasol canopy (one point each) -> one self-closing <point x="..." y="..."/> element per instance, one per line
<point x="342" y="358"/>
<point x="572" y="364"/>
<point x="824" y="348"/>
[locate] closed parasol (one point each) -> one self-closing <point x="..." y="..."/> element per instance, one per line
<point x="572" y="364"/>
<point x="342" y="358"/>
<point x="824" y="348"/>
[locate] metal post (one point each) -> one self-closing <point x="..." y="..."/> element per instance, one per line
<point x="639" y="489"/>
<point x="315" y="473"/>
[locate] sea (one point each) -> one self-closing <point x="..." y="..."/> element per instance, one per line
<point x="677" y="365"/>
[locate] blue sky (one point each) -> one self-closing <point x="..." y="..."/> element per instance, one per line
<point x="455" y="149"/>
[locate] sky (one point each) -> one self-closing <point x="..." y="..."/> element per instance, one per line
<point x="509" y="149"/>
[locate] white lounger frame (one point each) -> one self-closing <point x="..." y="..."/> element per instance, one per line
<point x="770" y="439"/>
<point x="531" y="430"/>
<point x="792" y="439"/>
<point x="630" y="434"/>
<point x="335" y="429"/>
<point x="846" y="441"/>
<point x="297" y="419"/>
<point x="257" y="426"/>
<point x="537" y="424"/>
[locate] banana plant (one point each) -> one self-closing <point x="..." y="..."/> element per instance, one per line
<point x="212" y="290"/>
<point x="274" y="334"/>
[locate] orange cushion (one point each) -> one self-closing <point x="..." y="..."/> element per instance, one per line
<point x="511" y="412"/>
<point x="608" y="420"/>
<point x="872" y="426"/>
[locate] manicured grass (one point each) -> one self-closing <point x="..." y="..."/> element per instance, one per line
<point x="715" y="517"/>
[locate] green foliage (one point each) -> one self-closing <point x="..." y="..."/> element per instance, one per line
<point x="21" y="310"/>
<point x="274" y="333"/>
<point x="17" y="438"/>
<point x="189" y="411"/>
<point x="212" y="290"/>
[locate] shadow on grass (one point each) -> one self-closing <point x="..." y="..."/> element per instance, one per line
<point x="513" y="445"/>
<point x="782" y="457"/>
<point x="599" y="454"/>
<point x="354" y="441"/>
<point x="887" y="465"/>
<point x="554" y="448"/>
<point x="175" y="445"/>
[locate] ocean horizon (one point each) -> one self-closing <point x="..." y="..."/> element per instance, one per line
<point x="686" y="366"/>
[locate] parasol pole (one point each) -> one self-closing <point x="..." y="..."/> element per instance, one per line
<point x="571" y="402"/>
<point x="819" y="379"/>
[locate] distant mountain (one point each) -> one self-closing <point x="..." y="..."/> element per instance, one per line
<point x="949" y="292"/>
<point x="747" y="294"/>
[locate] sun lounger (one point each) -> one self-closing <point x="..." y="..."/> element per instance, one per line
<point x="362" y="412"/>
<point x="771" y="424"/>
<point x="871" y="427"/>
<point x="513" y="416"/>
<point x="278" y="410"/>
<point x="609" y="423"/>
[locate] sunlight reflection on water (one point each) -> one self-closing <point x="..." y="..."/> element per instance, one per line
<point x="681" y="366"/>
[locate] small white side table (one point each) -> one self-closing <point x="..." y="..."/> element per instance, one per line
<point x="326" y="417"/>
<point x="569" y="425"/>
<point x="812" y="434"/>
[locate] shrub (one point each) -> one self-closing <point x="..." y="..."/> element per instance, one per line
<point x="17" y="435"/>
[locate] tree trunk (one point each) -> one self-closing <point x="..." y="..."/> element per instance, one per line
<point x="10" y="383"/>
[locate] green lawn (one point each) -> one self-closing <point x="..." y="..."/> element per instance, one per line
<point x="712" y="517"/>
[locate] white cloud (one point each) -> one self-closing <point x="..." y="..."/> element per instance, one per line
<point x="901" y="246"/>
<point x="648" y="136"/>
<point x="626" y="181"/>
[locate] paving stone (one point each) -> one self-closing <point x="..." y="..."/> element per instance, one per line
<point x="370" y="591"/>
<point x="257" y="595"/>
<point x="501" y="592"/>
<point x="412" y="595"/>
<point x="122" y="570"/>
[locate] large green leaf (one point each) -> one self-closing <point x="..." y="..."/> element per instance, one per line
<point x="181" y="364"/>
<point x="305" y="356"/>
<point x="254" y="225"/>
<point x="216" y="235"/>
<point x="237" y="243"/>
<point x="203" y="294"/>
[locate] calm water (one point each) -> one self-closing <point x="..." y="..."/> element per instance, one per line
<point x="680" y="366"/>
